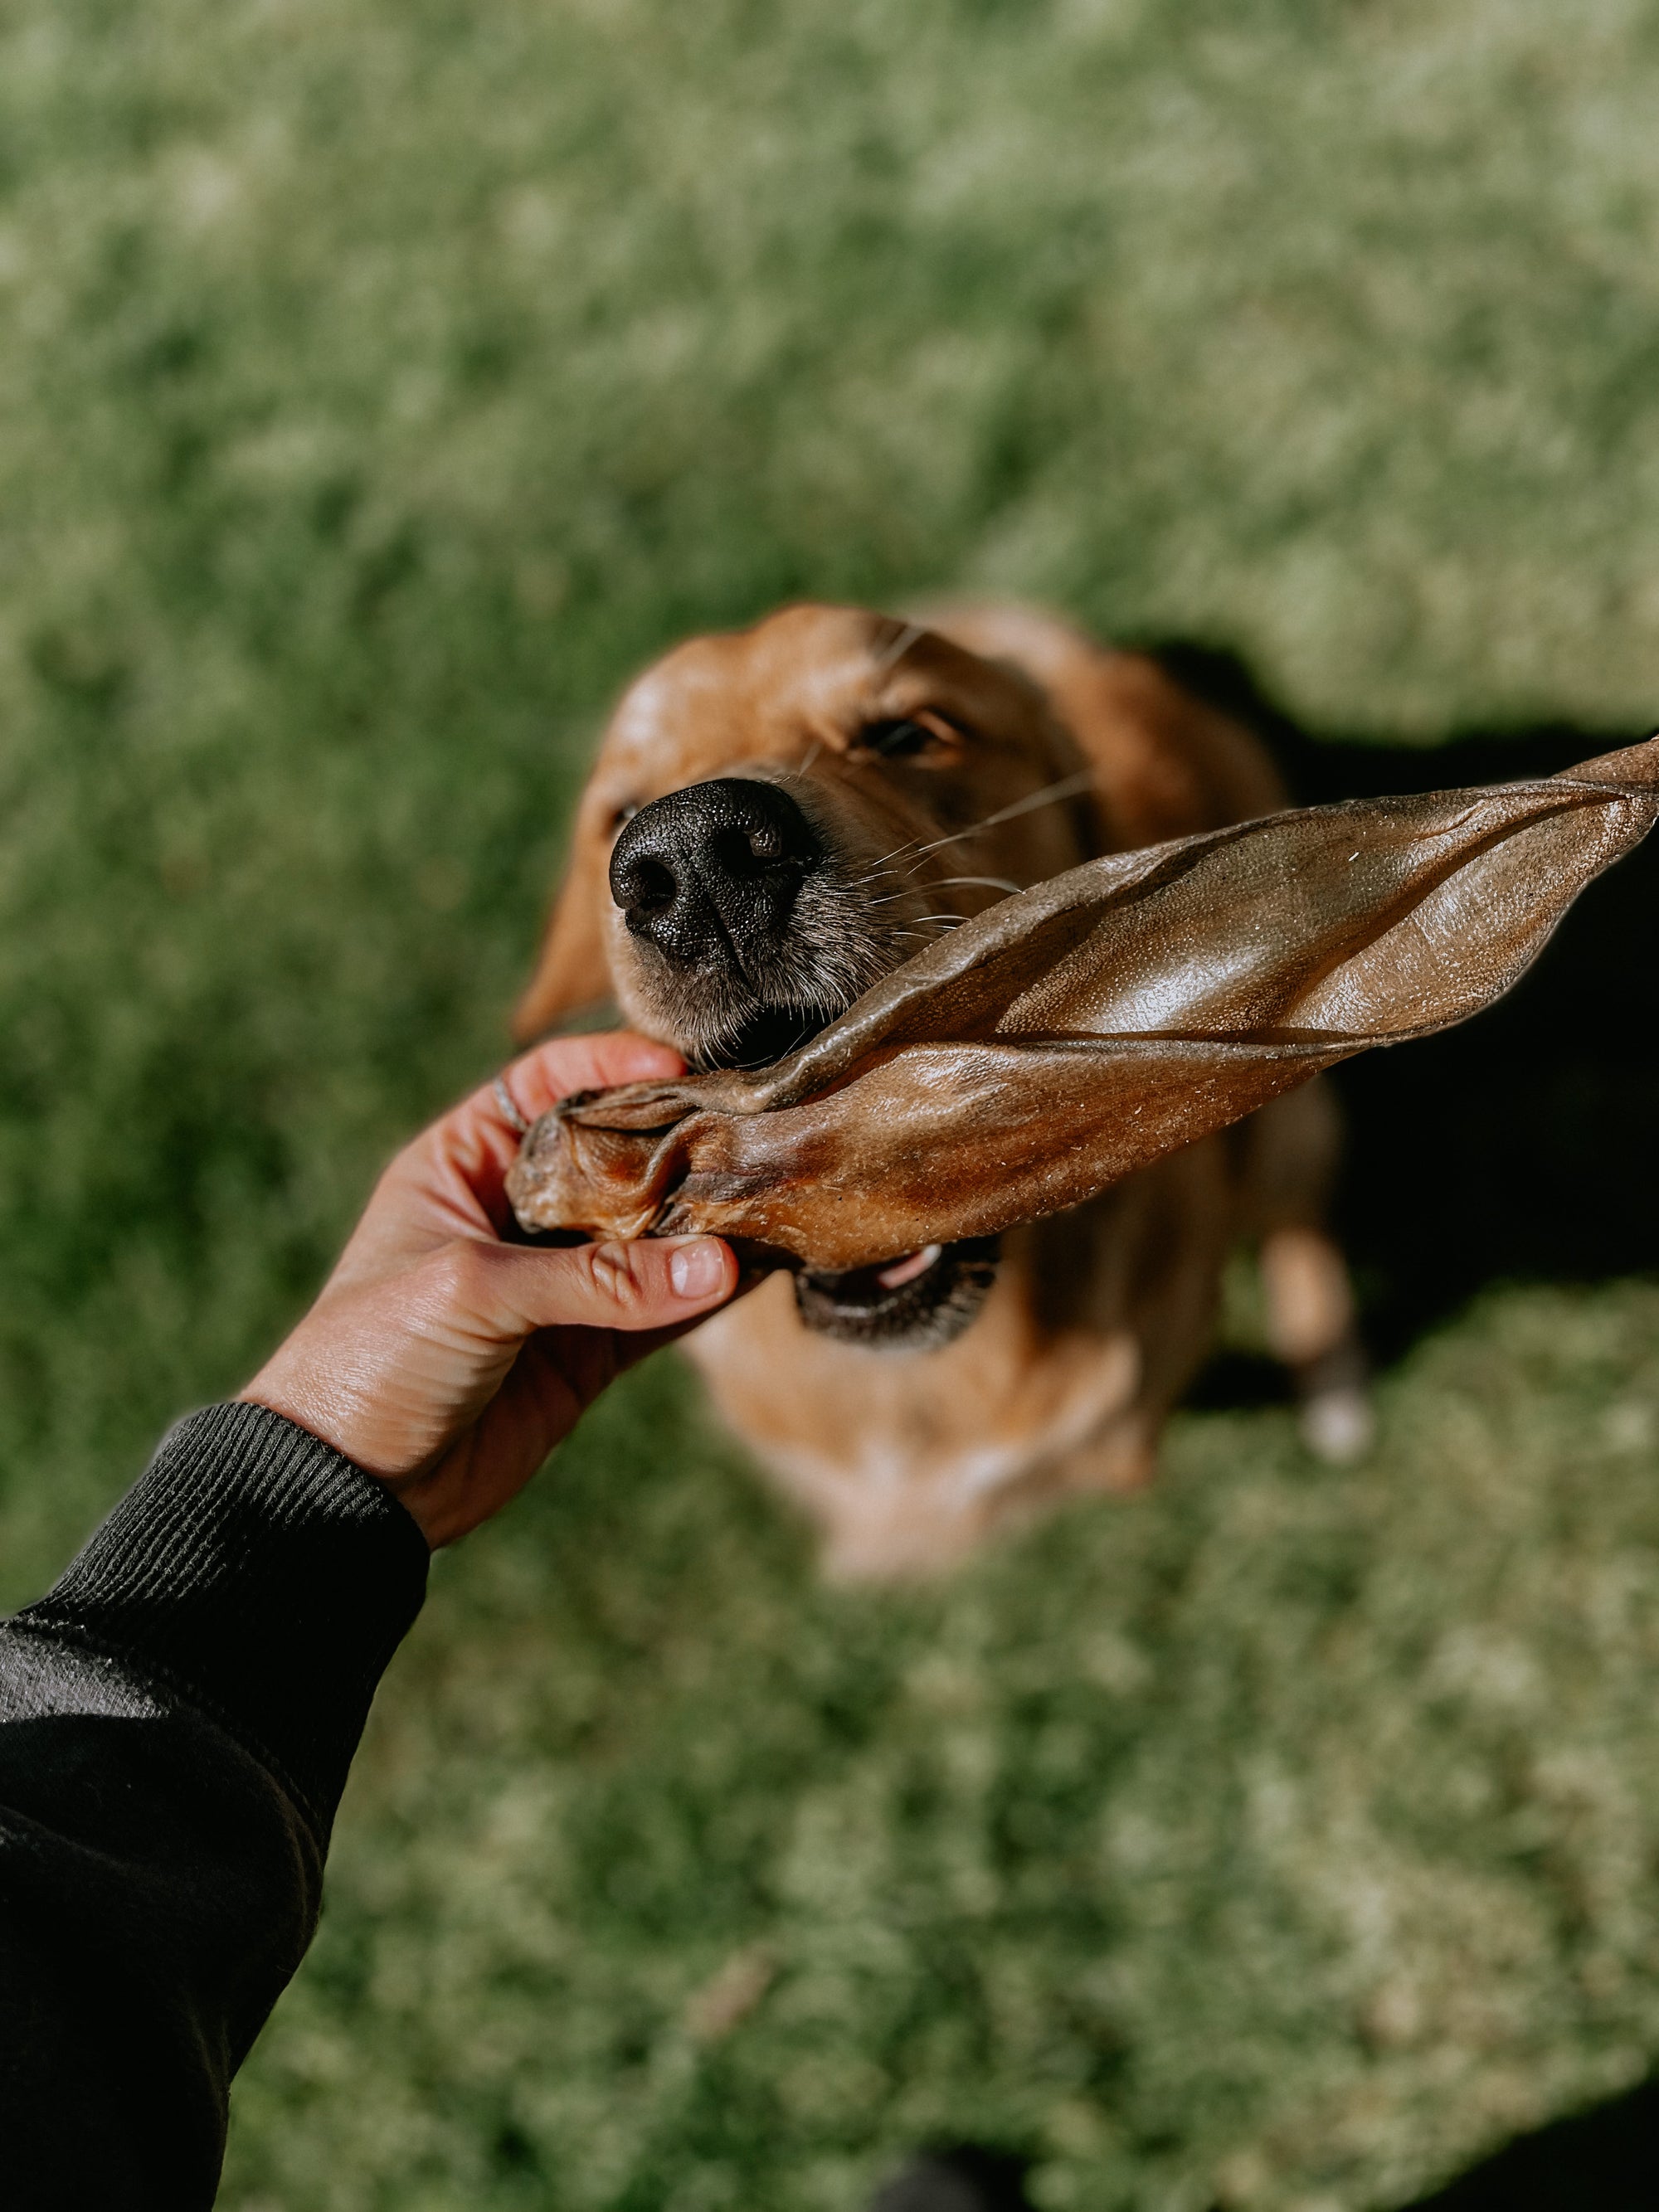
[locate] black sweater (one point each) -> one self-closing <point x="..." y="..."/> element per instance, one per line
<point x="177" y="1717"/>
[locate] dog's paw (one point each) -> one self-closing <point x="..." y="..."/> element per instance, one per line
<point x="1336" y="1417"/>
<point x="1339" y="1423"/>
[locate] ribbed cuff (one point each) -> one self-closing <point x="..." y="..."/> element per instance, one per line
<point x="258" y="1571"/>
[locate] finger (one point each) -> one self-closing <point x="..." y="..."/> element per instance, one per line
<point x="655" y="1284"/>
<point x="586" y="1360"/>
<point x="539" y="1080"/>
<point x="474" y="1143"/>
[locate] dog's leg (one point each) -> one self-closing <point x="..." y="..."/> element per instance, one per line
<point x="1292" y="1150"/>
<point x="1312" y="1328"/>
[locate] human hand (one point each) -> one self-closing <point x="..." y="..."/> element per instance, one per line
<point x="448" y="1364"/>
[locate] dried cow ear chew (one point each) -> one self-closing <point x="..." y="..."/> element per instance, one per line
<point x="1085" y="1027"/>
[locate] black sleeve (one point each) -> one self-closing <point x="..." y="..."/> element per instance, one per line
<point x="177" y="1717"/>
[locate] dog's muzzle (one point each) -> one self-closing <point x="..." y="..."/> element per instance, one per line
<point x="710" y="879"/>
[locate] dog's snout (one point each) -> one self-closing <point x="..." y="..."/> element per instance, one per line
<point x="713" y="870"/>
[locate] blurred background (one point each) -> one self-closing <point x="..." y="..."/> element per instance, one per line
<point x="381" y="382"/>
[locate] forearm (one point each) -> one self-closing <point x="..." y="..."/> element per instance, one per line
<point x="177" y="1717"/>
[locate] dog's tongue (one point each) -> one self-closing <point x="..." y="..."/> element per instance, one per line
<point x="1086" y="1027"/>
<point x="900" y="1272"/>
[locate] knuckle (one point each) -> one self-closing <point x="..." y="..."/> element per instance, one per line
<point x="460" y="1274"/>
<point x="616" y="1277"/>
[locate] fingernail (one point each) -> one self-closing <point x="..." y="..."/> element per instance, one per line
<point x="697" y="1268"/>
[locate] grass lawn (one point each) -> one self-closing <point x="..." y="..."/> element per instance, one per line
<point x="380" y="385"/>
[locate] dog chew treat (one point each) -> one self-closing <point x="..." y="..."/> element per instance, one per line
<point x="1085" y="1027"/>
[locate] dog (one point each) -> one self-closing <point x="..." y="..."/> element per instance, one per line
<point x="780" y="815"/>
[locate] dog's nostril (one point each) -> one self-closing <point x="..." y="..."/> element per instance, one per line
<point x="744" y="853"/>
<point x="651" y="888"/>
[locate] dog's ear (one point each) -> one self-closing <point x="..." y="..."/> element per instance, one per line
<point x="1166" y="762"/>
<point x="573" y="971"/>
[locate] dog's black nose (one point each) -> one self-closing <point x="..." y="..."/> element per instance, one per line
<point x="711" y="872"/>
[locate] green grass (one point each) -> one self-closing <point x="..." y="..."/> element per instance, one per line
<point x="380" y="385"/>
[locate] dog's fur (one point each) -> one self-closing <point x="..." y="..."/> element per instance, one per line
<point x="940" y="766"/>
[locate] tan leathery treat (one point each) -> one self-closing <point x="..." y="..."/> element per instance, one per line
<point x="1081" y="1029"/>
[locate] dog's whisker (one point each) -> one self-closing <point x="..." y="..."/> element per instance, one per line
<point x="875" y="875"/>
<point x="1069" y="786"/>
<point x="908" y="887"/>
<point x="892" y="653"/>
<point x="947" y="882"/>
<point x="869" y="874"/>
<point x="944" y="920"/>
<point x="908" y="845"/>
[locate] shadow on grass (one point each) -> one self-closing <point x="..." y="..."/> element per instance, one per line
<point x="1607" y="2159"/>
<point x="960" y="2178"/>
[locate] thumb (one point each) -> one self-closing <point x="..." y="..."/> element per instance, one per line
<point x="657" y="1282"/>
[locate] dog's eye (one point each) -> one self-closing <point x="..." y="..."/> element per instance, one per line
<point x="898" y="740"/>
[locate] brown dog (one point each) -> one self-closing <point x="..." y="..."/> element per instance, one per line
<point x="781" y="815"/>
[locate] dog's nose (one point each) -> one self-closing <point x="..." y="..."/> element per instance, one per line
<point x="713" y="871"/>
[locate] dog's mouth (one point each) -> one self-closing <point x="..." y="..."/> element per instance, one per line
<point x="769" y="1034"/>
<point x="916" y="1303"/>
